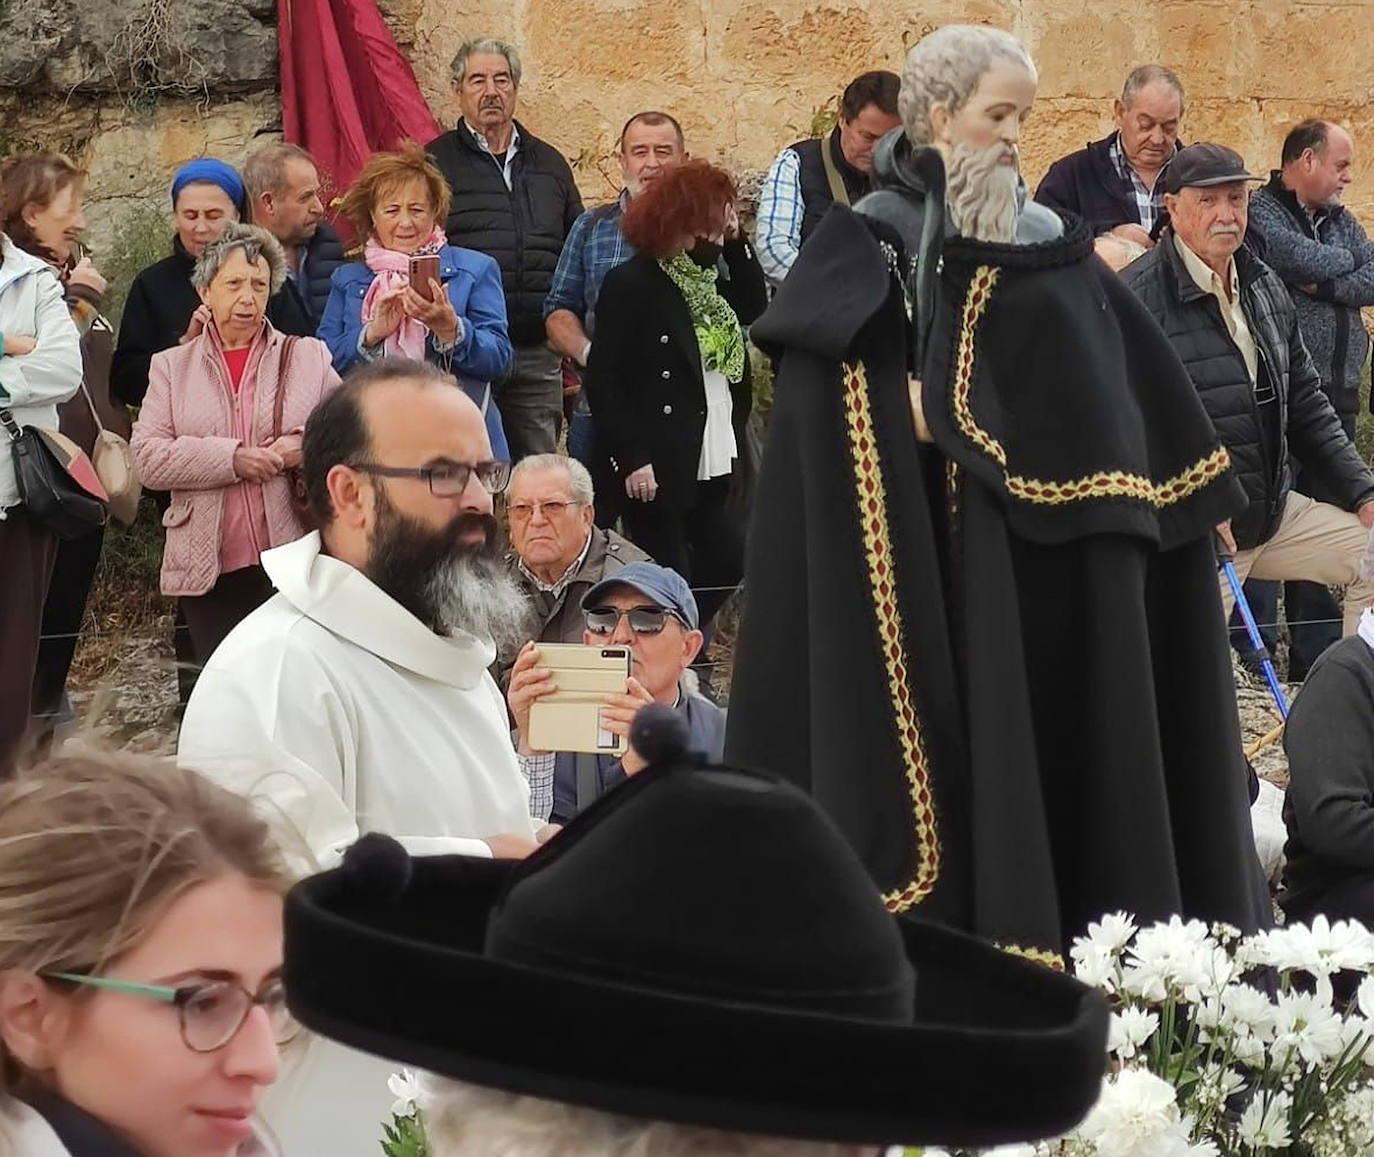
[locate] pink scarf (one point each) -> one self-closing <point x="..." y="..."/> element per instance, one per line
<point x="392" y="268"/>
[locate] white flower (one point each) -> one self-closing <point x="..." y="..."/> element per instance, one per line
<point x="1365" y="997"/>
<point x="1094" y="965"/>
<point x="1129" y="1029"/>
<point x="406" y="1087"/>
<point x="1217" y="1084"/>
<point x="1320" y="949"/>
<point x="1247" y="1007"/>
<point x="1265" y="1124"/>
<point x="1113" y="932"/>
<point x="1136" y="1116"/>
<point x="1305" y="1024"/>
<point x="1175" y="956"/>
<point x="1357" y="1035"/>
<point x="1248" y="1051"/>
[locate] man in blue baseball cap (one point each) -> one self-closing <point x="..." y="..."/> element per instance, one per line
<point x="649" y="609"/>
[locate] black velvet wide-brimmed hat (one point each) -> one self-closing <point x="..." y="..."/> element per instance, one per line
<point x="702" y="947"/>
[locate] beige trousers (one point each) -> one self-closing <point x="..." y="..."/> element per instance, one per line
<point x="1316" y="542"/>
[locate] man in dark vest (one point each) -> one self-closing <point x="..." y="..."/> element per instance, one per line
<point x="282" y="184"/>
<point x="810" y="176"/>
<point x="514" y="199"/>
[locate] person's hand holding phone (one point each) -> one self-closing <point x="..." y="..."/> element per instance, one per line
<point x="528" y="682"/>
<point x="436" y="313"/>
<point x="618" y="716"/>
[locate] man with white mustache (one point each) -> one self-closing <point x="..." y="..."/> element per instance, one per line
<point x="1232" y="321"/>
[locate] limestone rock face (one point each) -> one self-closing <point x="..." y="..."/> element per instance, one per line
<point x="134" y="87"/>
<point x="137" y="46"/>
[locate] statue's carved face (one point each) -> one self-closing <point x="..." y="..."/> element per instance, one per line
<point x="994" y="113"/>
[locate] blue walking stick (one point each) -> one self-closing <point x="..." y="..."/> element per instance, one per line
<point x="1266" y="661"/>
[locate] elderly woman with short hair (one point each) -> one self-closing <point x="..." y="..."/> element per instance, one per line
<point x="221" y="429"/>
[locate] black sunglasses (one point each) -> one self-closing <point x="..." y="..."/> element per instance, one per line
<point x="643" y="620"/>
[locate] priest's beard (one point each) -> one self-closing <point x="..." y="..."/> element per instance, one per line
<point x="445" y="582"/>
<point x="982" y="192"/>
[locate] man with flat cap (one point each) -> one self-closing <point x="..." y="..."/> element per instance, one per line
<point x="698" y="965"/>
<point x="1233" y="323"/>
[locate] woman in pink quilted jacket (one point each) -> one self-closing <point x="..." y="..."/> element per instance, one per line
<point x="221" y="429"/>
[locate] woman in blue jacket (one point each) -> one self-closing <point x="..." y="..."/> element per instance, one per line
<point x="373" y="311"/>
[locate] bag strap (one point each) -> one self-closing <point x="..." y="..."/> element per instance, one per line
<point x="99" y="425"/>
<point x="288" y="348"/>
<point x="7" y="420"/>
<point x="832" y="173"/>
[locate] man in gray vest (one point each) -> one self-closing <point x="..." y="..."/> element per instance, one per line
<point x="810" y="176"/>
<point x="649" y="609"/>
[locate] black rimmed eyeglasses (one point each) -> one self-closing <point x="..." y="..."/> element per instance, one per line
<point x="211" y="1013"/>
<point x="448" y="479"/>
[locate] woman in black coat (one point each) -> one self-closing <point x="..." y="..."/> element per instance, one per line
<point x="668" y="377"/>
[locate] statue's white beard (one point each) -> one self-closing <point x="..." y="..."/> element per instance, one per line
<point x="981" y="192"/>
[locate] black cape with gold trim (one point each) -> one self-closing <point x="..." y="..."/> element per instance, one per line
<point x="998" y="661"/>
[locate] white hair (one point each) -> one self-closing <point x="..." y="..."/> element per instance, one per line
<point x="485" y="46"/>
<point x="946" y="67"/>
<point x="463" y="1120"/>
<point x="579" y="480"/>
<point x="257" y="244"/>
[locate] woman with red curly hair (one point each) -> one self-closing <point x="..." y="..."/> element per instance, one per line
<point x="668" y="377"/>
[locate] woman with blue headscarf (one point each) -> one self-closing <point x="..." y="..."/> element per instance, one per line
<point x="162" y="309"/>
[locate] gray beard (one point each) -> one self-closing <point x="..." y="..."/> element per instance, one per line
<point x="981" y="193"/>
<point x="476" y="592"/>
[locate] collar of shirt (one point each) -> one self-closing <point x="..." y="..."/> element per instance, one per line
<point x="556" y="588"/>
<point x="1205" y="276"/>
<point x="511" y="149"/>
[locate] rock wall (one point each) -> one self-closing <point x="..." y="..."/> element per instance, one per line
<point x="745" y="76"/>
<point x="136" y="86"/>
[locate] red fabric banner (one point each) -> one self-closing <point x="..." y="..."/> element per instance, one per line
<point x="346" y="89"/>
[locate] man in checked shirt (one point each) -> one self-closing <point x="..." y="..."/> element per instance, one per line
<point x="1117" y="184"/>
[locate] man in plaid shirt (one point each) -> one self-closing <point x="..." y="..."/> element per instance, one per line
<point x="1117" y="184"/>
<point x="649" y="142"/>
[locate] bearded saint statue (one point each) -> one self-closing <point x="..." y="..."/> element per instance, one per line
<point x="981" y="620"/>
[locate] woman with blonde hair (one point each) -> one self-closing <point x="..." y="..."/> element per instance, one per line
<point x="141" y="1001"/>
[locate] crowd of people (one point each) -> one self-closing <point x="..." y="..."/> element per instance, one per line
<point x="381" y="494"/>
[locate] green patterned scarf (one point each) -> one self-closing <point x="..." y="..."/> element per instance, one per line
<point x="718" y="331"/>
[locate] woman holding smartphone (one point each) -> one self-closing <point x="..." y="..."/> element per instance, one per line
<point x="412" y="294"/>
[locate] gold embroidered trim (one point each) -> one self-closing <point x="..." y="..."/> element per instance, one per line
<point x="1036" y="955"/>
<point x="1103" y="484"/>
<point x="872" y="511"/>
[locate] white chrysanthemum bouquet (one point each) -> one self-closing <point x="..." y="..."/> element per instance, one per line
<point x="1223" y="1046"/>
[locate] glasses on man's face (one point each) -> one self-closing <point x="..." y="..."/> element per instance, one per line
<point x="211" y="1013"/>
<point x="524" y="511"/>
<point x="643" y="620"/>
<point x="448" y="479"/>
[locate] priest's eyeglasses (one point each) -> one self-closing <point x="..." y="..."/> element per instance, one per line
<point x="643" y="620"/>
<point x="446" y="479"/>
<point x="211" y="1012"/>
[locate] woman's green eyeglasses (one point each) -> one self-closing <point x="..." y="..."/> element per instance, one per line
<point x="211" y="1013"/>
